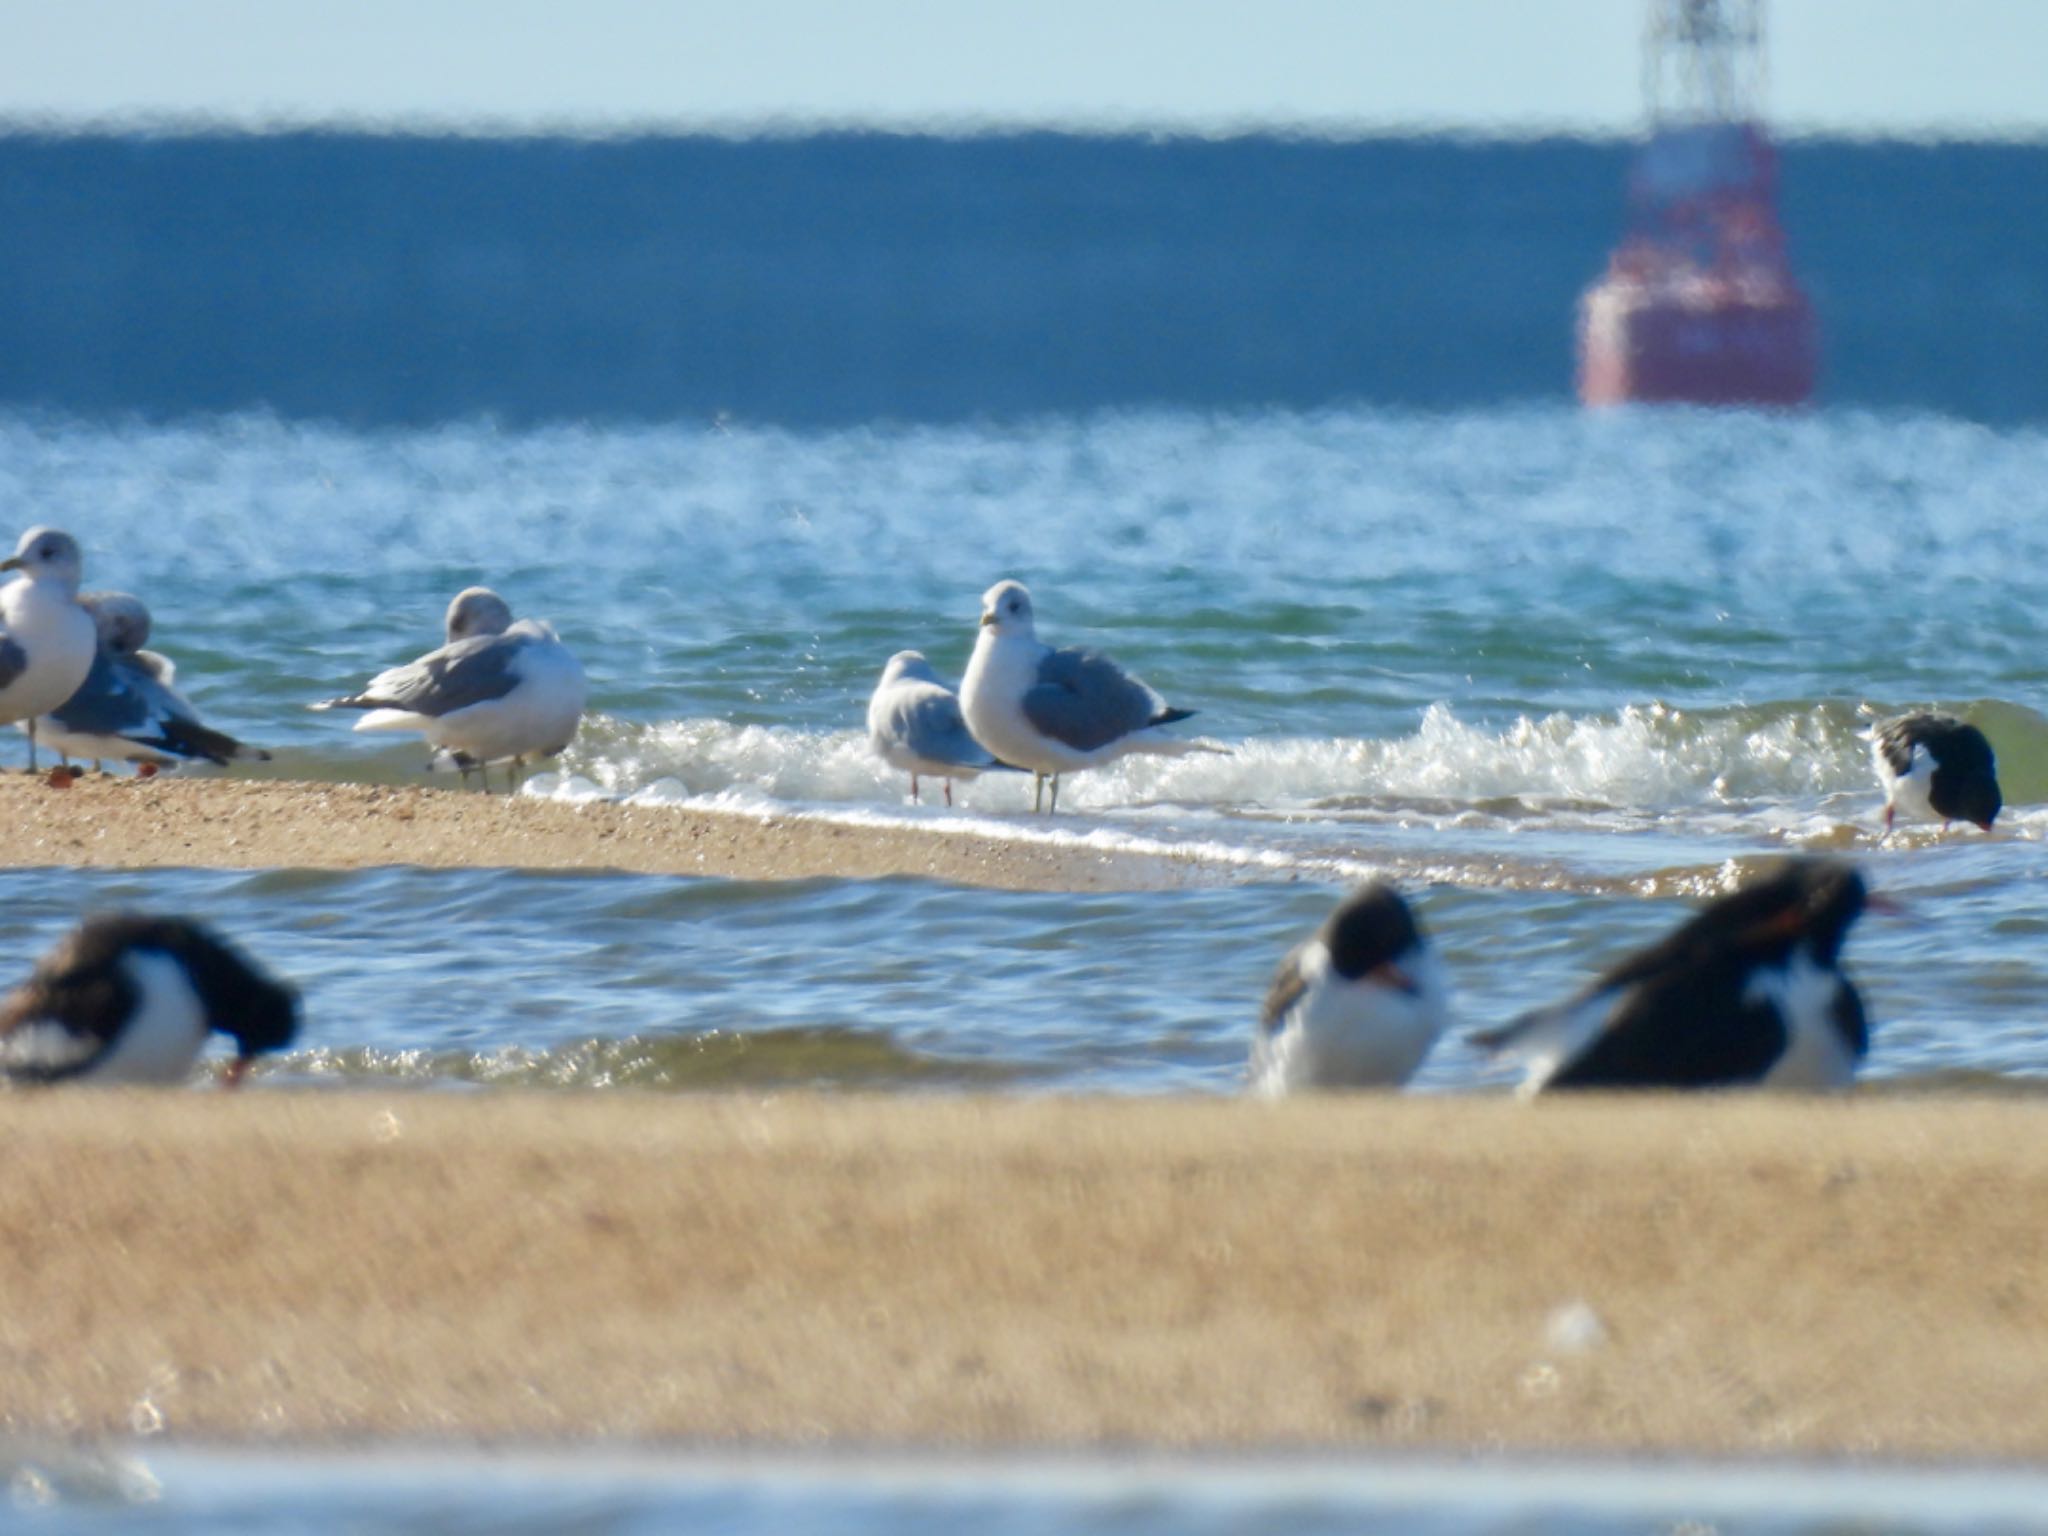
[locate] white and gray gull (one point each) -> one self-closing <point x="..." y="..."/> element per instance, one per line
<point x="1054" y="711"/>
<point x="47" y="641"/>
<point x="1358" y="1005"/>
<point x="499" y="691"/>
<point x="915" y="724"/>
<point x="130" y="998"/>
<point x="129" y="709"/>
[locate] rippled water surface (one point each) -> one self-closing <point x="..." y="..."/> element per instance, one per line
<point x="1558" y="672"/>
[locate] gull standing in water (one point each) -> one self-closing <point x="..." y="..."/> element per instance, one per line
<point x="128" y="709"/>
<point x="47" y="641"/>
<point x="1053" y="711"/>
<point x="499" y="691"/>
<point x="914" y="723"/>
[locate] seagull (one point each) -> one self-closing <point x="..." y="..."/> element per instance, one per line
<point x="497" y="692"/>
<point x="477" y="611"/>
<point x="128" y="998"/>
<point x="1936" y="767"/>
<point x="47" y="640"/>
<point x="914" y="724"/>
<point x="1356" y="1006"/>
<point x="1053" y="711"/>
<point x="1749" y="990"/>
<point x="128" y="708"/>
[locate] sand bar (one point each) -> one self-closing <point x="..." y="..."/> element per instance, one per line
<point x="119" y="822"/>
<point x="1734" y="1275"/>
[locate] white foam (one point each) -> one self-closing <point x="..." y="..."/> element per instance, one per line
<point x="1646" y="758"/>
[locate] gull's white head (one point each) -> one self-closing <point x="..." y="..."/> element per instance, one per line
<point x="121" y="619"/>
<point x="908" y="665"/>
<point x="48" y="554"/>
<point x="477" y="611"/>
<point x="1006" y="608"/>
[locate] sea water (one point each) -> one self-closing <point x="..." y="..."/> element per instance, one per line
<point x="1560" y="674"/>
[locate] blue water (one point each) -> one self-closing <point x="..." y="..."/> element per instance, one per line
<point x="1560" y="674"/>
<point x="846" y="278"/>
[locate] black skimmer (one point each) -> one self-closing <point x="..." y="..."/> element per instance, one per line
<point x="127" y="998"/>
<point x="1358" y="1005"/>
<point x="1749" y="990"/>
<point x="1936" y="767"/>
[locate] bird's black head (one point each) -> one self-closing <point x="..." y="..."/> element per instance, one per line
<point x="264" y="1018"/>
<point x="1370" y="927"/>
<point x="1978" y="801"/>
<point x="1814" y="901"/>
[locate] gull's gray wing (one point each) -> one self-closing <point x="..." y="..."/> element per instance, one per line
<point x="107" y="703"/>
<point x="124" y="699"/>
<point x="472" y="671"/>
<point x="1085" y="700"/>
<point x="928" y="722"/>
<point x="13" y="659"/>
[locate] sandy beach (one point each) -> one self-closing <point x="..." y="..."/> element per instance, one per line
<point x="1713" y="1276"/>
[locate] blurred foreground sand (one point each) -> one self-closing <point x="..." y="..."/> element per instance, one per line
<point x="1727" y="1275"/>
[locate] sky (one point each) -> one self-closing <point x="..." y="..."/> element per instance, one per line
<point x="1970" y="68"/>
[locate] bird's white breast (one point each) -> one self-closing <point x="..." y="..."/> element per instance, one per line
<point x="1352" y="1034"/>
<point x="1816" y="1055"/>
<point x="167" y="1030"/>
<point x="1908" y="792"/>
<point x="59" y="639"/>
<point x="992" y="692"/>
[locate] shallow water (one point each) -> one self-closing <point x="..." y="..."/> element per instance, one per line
<point x="608" y="1494"/>
<point x="1559" y="673"/>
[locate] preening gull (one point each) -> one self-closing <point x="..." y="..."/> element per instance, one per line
<point x="1937" y="768"/>
<point x="127" y="998"/>
<point x="914" y="723"/>
<point x="1749" y="990"/>
<point x="1358" y="1005"/>
<point x="47" y="640"/>
<point x="503" y="692"/>
<point x="128" y="708"/>
<point x="1053" y="711"/>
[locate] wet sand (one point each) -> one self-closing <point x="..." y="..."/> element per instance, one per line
<point x="1736" y="1275"/>
<point x="122" y="822"/>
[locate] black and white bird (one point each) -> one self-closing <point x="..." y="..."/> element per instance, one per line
<point x="1748" y="991"/>
<point x="497" y="692"/>
<point x="1937" y="768"/>
<point x="47" y="641"/>
<point x="129" y="709"/>
<point x="914" y="724"/>
<point x="127" y="998"/>
<point x="1358" y="1005"/>
<point x="1054" y="711"/>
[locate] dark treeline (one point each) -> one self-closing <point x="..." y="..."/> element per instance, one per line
<point x="854" y="276"/>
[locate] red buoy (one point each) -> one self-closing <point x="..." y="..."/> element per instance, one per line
<point x="1699" y="303"/>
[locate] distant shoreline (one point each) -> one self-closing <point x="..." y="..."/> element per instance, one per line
<point x="1738" y="1276"/>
